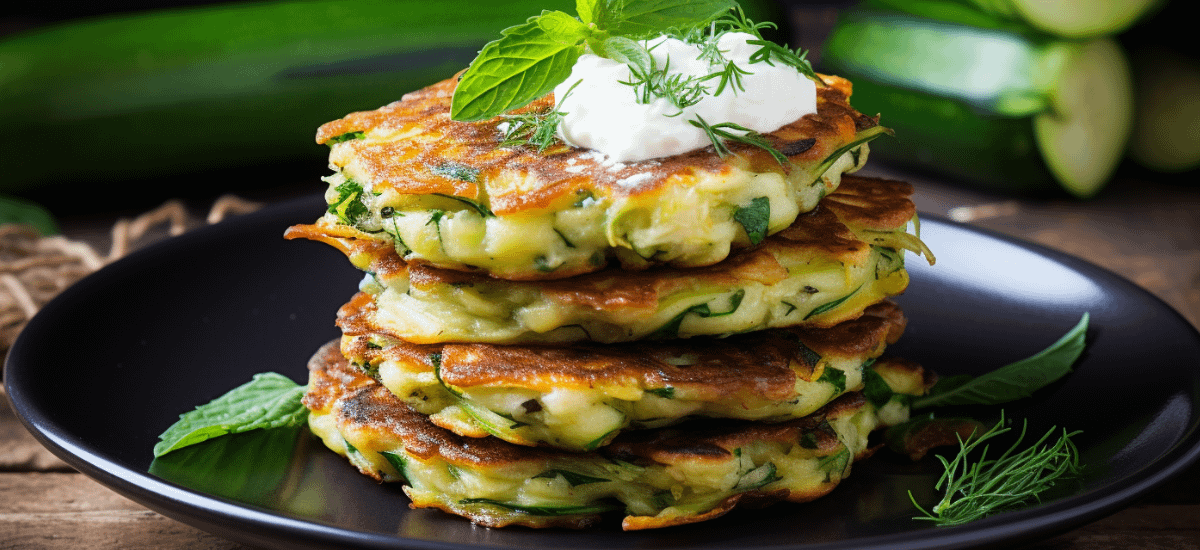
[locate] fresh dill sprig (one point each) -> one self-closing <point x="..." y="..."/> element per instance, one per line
<point x="539" y="130"/>
<point x="977" y="489"/>
<point x="719" y="133"/>
<point x="649" y="81"/>
<point x="769" y="50"/>
<point x="731" y="75"/>
<point x="736" y="21"/>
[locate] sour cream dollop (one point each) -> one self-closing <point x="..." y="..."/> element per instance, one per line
<point x="603" y="114"/>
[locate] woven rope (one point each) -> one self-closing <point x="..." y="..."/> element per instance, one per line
<point x="34" y="269"/>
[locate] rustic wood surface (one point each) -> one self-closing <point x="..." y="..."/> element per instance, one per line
<point x="1147" y="231"/>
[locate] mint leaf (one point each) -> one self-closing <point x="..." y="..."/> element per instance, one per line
<point x="624" y="50"/>
<point x="644" y="18"/>
<point x="562" y="27"/>
<point x="1014" y="381"/>
<point x="269" y="400"/>
<point x="588" y="10"/>
<point x="525" y="63"/>
<point x="754" y="218"/>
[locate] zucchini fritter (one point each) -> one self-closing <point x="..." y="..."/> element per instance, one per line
<point x="825" y="268"/>
<point x="449" y="194"/>
<point x="657" y="478"/>
<point x="580" y="396"/>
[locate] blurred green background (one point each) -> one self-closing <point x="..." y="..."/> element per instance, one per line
<point x="121" y="105"/>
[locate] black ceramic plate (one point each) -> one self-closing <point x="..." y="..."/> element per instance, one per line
<point x="108" y="365"/>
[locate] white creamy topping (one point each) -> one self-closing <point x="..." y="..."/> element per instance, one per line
<point x="603" y="114"/>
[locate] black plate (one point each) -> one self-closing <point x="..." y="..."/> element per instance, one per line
<point x="108" y="365"/>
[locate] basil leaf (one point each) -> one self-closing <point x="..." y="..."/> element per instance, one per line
<point x="269" y="400"/>
<point x="754" y="218"/>
<point x="642" y="18"/>
<point x="1014" y="381"/>
<point x="524" y="64"/>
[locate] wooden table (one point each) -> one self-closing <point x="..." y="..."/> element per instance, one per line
<point x="1147" y="231"/>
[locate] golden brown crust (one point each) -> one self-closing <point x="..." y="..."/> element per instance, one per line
<point x="430" y="139"/>
<point x="872" y="202"/>
<point x="360" y="403"/>
<point x="764" y="364"/>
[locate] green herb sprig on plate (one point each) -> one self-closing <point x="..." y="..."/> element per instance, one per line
<point x="974" y="489"/>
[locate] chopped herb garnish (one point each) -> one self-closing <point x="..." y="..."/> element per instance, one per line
<point x="536" y="129"/>
<point x="754" y="218"/>
<point x="836" y="377"/>
<point x="344" y="137"/>
<point x="876" y="389"/>
<point x="542" y="264"/>
<point x="396" y="460"/>
<point x="810" y="357"/>
<point x="836" y="462"/>
<point x="829" y="306"/>
<point x="758" y="477"/>
<point x="483" y="210"/>
<point x="671" y="328"/>
<point x="666" y="393"/>
<point x="564" y="238"/>
<point x="348" y="206"/>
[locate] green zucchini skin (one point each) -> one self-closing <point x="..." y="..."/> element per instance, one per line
<point x="991" y="152"/>
<point x="209" y="88"/>
<point x="1000" y="108"/>
<point x="1106" y="16"/>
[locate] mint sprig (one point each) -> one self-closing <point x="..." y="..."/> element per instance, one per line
<point x="269" y="400"/>
<point x="530" y="59"/>
<point x="1013" y="381"/>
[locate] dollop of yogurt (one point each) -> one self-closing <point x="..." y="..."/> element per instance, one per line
<point x="604" y="115"/>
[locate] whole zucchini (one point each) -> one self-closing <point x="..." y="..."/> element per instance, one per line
<point x="1075" y="19"/>
<point x="206" y="88"/>
<point x="1008" y="110"/>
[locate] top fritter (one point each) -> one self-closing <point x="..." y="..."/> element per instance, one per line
<point x="453" y="195"/>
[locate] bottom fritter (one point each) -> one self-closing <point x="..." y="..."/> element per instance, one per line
<point x="662" y="477"/>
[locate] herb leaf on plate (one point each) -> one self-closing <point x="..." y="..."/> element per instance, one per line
<point x="1011" y="382"/>
<point x="269" y="400"/>
<point x="979" y="488"/>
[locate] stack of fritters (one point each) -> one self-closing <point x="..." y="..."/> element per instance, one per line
<point x="543" y="337"/>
